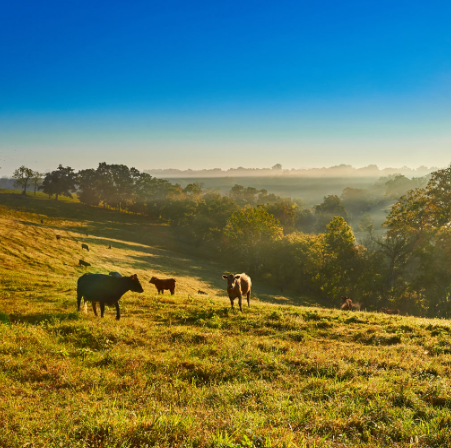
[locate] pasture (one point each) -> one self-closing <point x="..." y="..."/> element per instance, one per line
<point x="186" y="370"/>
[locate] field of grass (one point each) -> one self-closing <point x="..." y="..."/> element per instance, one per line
<point x="186" y="370"/>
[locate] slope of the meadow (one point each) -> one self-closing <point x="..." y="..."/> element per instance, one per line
<point x="185" y="370"/>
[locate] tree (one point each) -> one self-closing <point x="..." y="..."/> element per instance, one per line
<point x="59" y="182"/>
<point x="23" y="175"/>
<point x="88" y="191"/>
<point x="285" y="213"/>
<point x="36" y="180"/>
<point x="330" y="207"/>
<point x="341" y="258"/>
<point x="249" y="232"/>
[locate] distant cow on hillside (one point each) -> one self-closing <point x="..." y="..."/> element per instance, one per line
<point x="390" y="311"/>
<point x="42" y="221"/>
<point x="58" y="237"/>
<point x="202" y="292"/>
<point x="109" y="247"/>
<point x="105" y="290"/>
<point x="114" y="274"/>
<point x="346" y="303"/>
<point x="83" y="263"/>
<point x="237" y="286"/>
<point x="162" y="284"/>
<point x="85" y="246"/>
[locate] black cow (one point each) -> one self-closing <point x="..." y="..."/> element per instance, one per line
<point x="83" y="263"/>
<point x="106" y="290"/>
<point x="84" y="246"/>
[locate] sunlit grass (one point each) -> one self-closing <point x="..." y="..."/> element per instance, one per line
<point x="186" y="370"/>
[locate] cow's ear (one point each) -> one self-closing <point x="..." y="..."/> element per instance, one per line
<point x="225" y="276"/>
<point x="237" y="276"/>
<point x="134" y="277"/>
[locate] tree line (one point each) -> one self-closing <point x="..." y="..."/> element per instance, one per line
<point x="312" y="251"/>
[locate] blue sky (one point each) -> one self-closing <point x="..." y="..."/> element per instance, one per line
<point x="197" y="84"/>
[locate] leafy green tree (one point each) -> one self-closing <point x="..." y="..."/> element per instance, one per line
<point x="295" y="263"/>
<point x="23" y="177"/>
<point x="341" y="258"/>
<point x="243" y="196"/>
<point x="249" y="232"/>
<point x="36" y="180"/>
<point x="398" y="185"/>
<point x="194" y="189"/>
<point x="330" y="207"/>
<point x="61" y="182"/>
<point x="88" y="191"/>
<point x="285" y="213"/>
<point x="305" y="220"/>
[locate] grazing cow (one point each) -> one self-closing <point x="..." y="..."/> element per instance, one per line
<point x="105" y="290"/>
<point x="346" y="303"/>
<point x="83" y="263"/>
<point x="162" y="284"/>
<point x="390" y="311"/>
<point x="237" y="286"/>
<point x="114" y="274"/>
<point x="84" y="246"/>
<point x="109" y="247"/>
<point x="58" y="237"/>
<point x="42" y="221"/>
<point x="201" y="292"/>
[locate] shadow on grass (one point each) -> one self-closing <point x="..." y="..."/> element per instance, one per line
<point x="36" y="319"/>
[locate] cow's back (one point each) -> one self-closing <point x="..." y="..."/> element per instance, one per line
<point x="246" y="283"/>
<point x="99" y="286"/>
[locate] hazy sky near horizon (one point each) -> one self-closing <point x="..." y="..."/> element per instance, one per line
<point x="201" y="84"/>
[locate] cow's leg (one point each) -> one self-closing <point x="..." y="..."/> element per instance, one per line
<point x="231" y="303"/>
<point x="102" y="309"/>
<point x="118" y="311"/>
<point x="240" y="298"/>
<point x="172" y="292"/>
<point x="248" y="298"/>
<point x="94" y="308"/>
<point x="79" y="296"/>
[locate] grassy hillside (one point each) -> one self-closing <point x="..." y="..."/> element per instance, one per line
<point x="185" y="370"/>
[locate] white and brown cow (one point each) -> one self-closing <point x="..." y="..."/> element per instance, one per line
<point x="237" y="286"/>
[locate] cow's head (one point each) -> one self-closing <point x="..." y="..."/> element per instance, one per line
<point x="344" y="299"/>
<point x="153" y="280"/>
<point x="232" y="281"/>
<point x="135" y="285"/>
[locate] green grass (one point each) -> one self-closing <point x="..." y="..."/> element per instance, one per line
<point x="186" y="370"/>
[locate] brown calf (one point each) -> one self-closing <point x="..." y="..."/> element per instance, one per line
<point x="237" y="286"/>
<point x="58" y="237"/>
<point x="162" y="284"/>
<point x="346" y="303"/>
